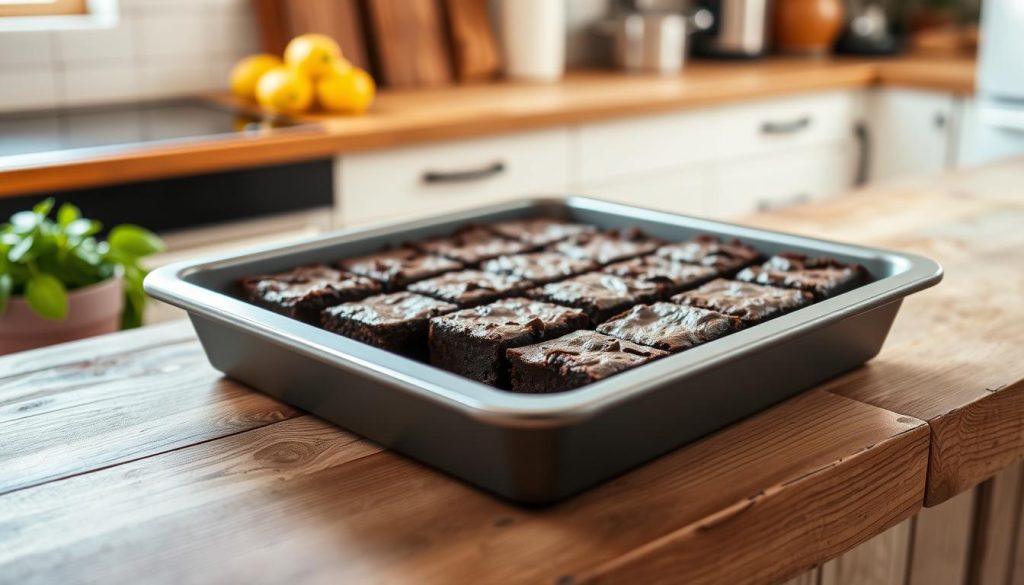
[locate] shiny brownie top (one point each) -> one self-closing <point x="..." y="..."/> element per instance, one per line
<point x="399" y="266"/>
<point x="607" y="247"/>
<point x="472" y="245"/>
<point x="669" y="273"/>
<point x="600" y="290"/>
<point x="724" y="256"/>
<point x="306" y="282"/>
<point x="540" y="267"/>
<point x="512" y="317"/>
<point x="668" y="326"/>
<point x="540" y="231"/>
<point x="390" y="309"/>
<point x="750" y="302"/>
<point x="821" y="276"/>
<point x="471" y="287"/>
<point x="593" y="354"/>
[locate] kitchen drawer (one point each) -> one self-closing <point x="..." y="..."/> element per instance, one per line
<point x="769" y="182"/>
<point x="608" y="150"/>
<point x="764" y="127"/>
<point x="687" y="190"/>
<point x="435" y="178"/>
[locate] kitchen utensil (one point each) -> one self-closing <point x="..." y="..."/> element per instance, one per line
<point x="654" y="42"/>
<point x="807" y="26"/>
<point x="540" y="447"/>
<point x="533" y="37"/>
<point x="472" y="39"/>
<point x="410" y="42"/>
<point x="739" y="28"/>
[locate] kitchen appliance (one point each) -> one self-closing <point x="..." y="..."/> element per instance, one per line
<point x="537" y="447"/>
<point x="995" y="127"/>
<point x="868" y="31"/>
<point x="654" y="42"/>
<point x="739" y="28"/>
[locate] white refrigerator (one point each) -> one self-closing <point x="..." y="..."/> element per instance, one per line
<point x="997" y="131"/>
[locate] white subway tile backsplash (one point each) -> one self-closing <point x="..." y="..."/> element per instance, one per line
<point x="25" y="48"/>
<point x="116" y="43"/>
<point x="232" y="32"/>
<point x="27" y="89"/>
<point x="177" y="79"/>
<point x="177" y="34"/>
<point x="99" y="83"/>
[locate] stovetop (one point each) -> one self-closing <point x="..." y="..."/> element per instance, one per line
<point x="64" y="132"/>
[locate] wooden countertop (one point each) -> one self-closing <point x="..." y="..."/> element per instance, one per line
<point x="127" y="457"/>
<point x="410" y="117"/>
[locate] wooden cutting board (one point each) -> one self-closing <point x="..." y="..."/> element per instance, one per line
<point x="338" y="19"/>
<point x="410" y="39"/>
<point x="474" y="49"/>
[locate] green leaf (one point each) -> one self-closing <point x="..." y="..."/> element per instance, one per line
<point x="42" y="209"/>
<point x="47" y="296"/>
<point x="80" y="228"/>
<point x="21" y="250"/>
<point x="6" y="285"/>
<point x="132" y="241"/>
<point x="67" y="214"/>
<point x="24" y="221"/>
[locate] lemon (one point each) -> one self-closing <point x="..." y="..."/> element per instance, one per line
<point x="247" y="72"/>
<point x="312" y="54"/>
<point x="350" y="91"/>
<point x="284" y="90"/>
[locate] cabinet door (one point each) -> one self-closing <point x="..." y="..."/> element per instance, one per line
<point x="685" y="190"/>
<point x="910" y="132"/>
<point x="437" y="178"/>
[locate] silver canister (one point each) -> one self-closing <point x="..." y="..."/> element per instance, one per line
<point x="654" y="42"/>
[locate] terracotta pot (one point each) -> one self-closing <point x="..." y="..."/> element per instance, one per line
<point x="93" y="310"/>
<point x="807" y="26"/>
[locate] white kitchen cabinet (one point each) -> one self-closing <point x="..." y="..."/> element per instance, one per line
<point x="769" y="182"/>
<point x="911" y="132"/>
<point x="449" y="176"/>
<point x="685" y="190"/>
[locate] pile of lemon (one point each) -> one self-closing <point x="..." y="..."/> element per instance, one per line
<point x="313" y="70"/>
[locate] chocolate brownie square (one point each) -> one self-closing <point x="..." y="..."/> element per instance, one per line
<point x="470" y="288"/>
<point x="724" y="256"/>
<point x="752" y="303"/>
<point x="472" y="342"/>
<point x="670" y="275"/>
<point x="305" y="291"/>
<point x="574" y="360"/>
<point x="396" y="322"/>
<point x="607" y="247"/>
<point x="541" y="231"/>
<point x="540" y="267"/>
<point x="398" y="267"/>
<point x="472" y="245"/>
<point x="669" y="327"/>
<point x="599" y="295"/>
<point x="823" y="277"/>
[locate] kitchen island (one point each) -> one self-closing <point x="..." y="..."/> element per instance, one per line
<point x="128" y="458"/>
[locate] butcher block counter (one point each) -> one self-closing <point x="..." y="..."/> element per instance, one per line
<point x="127" y="458"/>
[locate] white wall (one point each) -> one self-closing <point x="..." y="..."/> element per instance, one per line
<point x="156" y="49"/>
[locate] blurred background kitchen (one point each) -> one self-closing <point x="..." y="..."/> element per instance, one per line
<point x="148" y="112"/>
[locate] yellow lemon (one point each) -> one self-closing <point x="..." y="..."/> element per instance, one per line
<point x="284" y="90"/>
<point x="312" y="54"/>
<point x="247" y="72"/>
<point x="350" y="91"/>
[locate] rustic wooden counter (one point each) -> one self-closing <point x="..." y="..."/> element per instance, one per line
<point x="128" y="458"/>
<point x="409" y="117"/>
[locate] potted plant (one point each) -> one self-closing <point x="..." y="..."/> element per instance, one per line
<point x="58" y="282"/>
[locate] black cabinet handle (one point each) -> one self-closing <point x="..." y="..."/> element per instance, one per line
<point x="467" y="175"/>
<point x="788" y="127"/>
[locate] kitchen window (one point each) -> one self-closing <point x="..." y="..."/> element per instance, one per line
<point x="42" y="7"/>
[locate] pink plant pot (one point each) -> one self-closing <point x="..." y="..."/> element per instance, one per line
<point x="92" y="310"/>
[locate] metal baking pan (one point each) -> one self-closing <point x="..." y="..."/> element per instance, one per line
<point x="537" y="448"/>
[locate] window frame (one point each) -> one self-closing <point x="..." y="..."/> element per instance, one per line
<point x="44" y="8"/>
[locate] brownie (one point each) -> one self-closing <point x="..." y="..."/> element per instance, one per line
<point x="669" y="327"/>
<point x="398" y="267"/>
<point x="607" y="247"/>
<point x="574" y="360"/>
<point x="472" y="245"/>
<point x="540" y="267"/>
<point x="599" y="295"/>
<point x="752" y="303"/>
<point x="540" y="231"/>
<point x="470" y="288"/>
<point x="670" y="275"/>
<point x="724" y="256"/>
<point x="472" y="342"/>
<point x="822" y="277"/>
<point x="305" y="291"/>
<point x="396" y="322"/>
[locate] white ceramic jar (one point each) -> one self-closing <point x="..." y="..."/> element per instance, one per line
<point x="533" y="34"/>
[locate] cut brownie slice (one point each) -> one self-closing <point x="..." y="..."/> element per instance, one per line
<point x="599" y="295"/>
<point x="470" y="288"/>
<point x="669" y="327"/>
<point x="670" y="275"/>
<point x="398" y="267"/>
<point x="574" y="360"/>
<point x="724" y="256"/>
<point x="540" y="231"/>
<point x="472" y="342"/>
<point x="396" y="322"/>
<point x="472" y="245"/>
<point x="607" y="247"/>
<point x="541" y="267"/>
<point x="305" y="291"/>
<point x="822" y="277"/>
<point x="752" y="303"/>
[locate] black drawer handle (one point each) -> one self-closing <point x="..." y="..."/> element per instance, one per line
<point x="469" y="175"/>
<point x="789" y="127"/>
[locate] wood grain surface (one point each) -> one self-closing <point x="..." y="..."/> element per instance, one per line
<point x="402" y="118"/>
<point x="952" y="358"/>
<point x="339" y="19"/>
<point x="474" y="48"/>
<point x="410" y="39"/>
